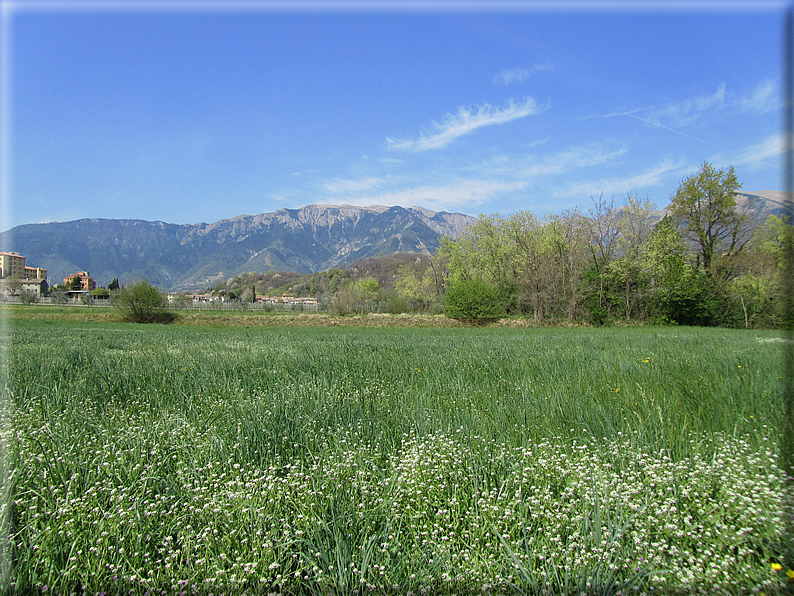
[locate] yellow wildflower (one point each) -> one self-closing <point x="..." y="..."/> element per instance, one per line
<point x="790" y="573"/>
<point x="777" y="566"/>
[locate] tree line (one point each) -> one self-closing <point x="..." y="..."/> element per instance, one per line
<point x="704" y="263"/>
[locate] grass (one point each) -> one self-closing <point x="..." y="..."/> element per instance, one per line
<point x="235" y="318"/>
<point x="330" y="460"/>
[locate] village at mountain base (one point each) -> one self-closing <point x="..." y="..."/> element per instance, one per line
<point x="16" y="277"/>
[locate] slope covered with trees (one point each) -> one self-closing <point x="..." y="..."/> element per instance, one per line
<point x="398" y="282"/>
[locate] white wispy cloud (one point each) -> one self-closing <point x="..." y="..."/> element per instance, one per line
<point x="764" y="99"/>
<point x="692" y="110"/>
<point x="470" y="183"/>
<point x="527" y="167"/>
<point x="339" y="185"/>
<point x="652" y="177"/>
<point x="571" y="159"/>
<point x="517" y="75"/>
<point x="687" y="112"/>
<point x="464" y="122"/>
<point x="458" y="194"/>
<point x="770" y="148"/>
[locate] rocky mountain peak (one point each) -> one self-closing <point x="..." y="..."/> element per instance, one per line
<point x="194" y="256"/>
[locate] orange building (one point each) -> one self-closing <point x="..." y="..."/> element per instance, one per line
<point x="86" y="281"/>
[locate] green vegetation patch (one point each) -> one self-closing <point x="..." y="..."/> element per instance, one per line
<point x="327" y="460"/>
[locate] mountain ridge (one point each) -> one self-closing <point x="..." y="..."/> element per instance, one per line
<point x="194" y="256"/>
<point x="312" y="238"/>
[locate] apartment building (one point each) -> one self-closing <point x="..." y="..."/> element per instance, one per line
<point x="13" y="269"/>
<point x="12" y="265"/>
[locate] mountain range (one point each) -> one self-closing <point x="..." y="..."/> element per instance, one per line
<point x="195" y="256"/>
<point x="179" y="257"/>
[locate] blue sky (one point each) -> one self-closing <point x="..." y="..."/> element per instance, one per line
<point x="185" y="112"/>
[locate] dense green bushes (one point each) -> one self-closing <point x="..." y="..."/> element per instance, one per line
<point x="473" y="300"/>
<point x="141" y="302"/>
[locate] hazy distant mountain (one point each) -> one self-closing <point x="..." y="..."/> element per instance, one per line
<point x="759" y="204"/>
<point x="193" y="256"/>
<point x="196" y="256"/>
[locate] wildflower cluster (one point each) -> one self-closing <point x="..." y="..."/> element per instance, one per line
<point x="175" y="461"/>
<point x="152" y="509"/>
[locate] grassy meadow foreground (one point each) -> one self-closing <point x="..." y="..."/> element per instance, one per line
<point x="330" y="460"/>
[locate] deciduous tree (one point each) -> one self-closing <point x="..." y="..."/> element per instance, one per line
<point x="602" y="228"/>
<point x="634" y="229"/>
<point x="705" y="207"/>
<point x="678" y="292"/>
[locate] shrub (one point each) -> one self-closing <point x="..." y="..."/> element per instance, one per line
<point x="473" y="300"/>
<point x="28" y="297"/>
<point x="396" y="304"/>
<point x="141" y="302"/>
<point x="343" y="303"/>
<point x="59" y="297"/>
<point x="182" y="301"/>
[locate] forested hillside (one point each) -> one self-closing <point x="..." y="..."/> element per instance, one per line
<point x="382" y="283"/>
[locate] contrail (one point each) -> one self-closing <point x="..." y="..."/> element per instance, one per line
<point x="683" y="134"/>
<point x="764" y="161"/>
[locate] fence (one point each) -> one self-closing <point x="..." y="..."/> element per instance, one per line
<point x="49" y="300"/>
<point x="214" y="305"/>
<point x="353" y="307"/>
<point x="255" y="306"/>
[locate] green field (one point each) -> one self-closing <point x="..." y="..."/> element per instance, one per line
<point x="330" y="460"/>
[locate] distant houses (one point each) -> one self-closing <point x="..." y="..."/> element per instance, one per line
<point x="174" y="298"/>
<point x="17" y="277"/>
<point x="86" y="281"/>
<point x="285" y="300"/>
<point x="289" y="299"/>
